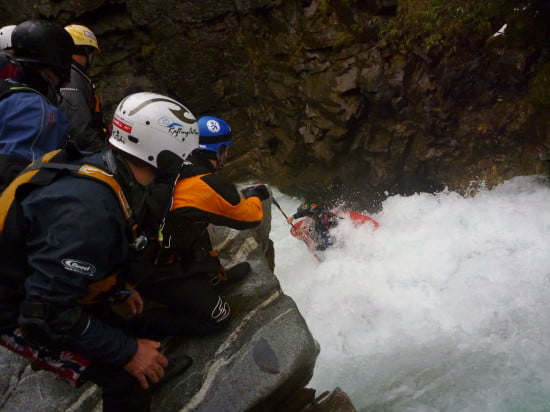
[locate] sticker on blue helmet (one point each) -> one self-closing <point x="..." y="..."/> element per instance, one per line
<point x="213" y="126"/>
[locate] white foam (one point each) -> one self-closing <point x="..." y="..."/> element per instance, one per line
<point x="445" y="307"/>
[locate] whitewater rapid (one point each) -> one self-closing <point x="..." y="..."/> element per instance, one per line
<point x="445" y="307"/>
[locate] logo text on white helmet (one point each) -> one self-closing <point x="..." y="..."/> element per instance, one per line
<point x="165" y="121"/>
<point x="180" y="132"/>
<point x="115" y="134"/>
<point x="121" y="125"/>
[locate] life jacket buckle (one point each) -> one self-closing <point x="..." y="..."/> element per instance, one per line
<point x="140" y="243"/>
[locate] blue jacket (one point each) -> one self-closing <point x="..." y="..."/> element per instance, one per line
<point x="76" y="235"/>
<point x="30" y="125"/>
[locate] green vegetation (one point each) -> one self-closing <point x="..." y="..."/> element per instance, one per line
<point x="446" y="25"/>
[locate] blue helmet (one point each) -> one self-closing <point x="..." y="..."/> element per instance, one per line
<point x="214" y="134"/>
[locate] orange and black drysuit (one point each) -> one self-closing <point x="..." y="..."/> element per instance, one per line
<point x="202" y="197"/>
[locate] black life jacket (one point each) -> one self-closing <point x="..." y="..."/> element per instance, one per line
<point x="13" y="260"/>
<point x="329" y="219"/>
<point x="94" y="103"/>
<point x="324" y="218"/>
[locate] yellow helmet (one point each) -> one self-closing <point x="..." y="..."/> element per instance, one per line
<point x="82" y="36"/>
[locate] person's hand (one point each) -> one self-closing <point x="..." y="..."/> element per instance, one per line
<point x="260" y="191"/>
<point x="134" y="303"/>
<point x="290" y="220"/>
<point x="148" y="364"/>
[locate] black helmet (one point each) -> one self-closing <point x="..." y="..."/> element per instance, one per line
<point x="45" y="44"/>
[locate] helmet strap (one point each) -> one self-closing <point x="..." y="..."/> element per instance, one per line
<point x="85" y="57"/>
<point x="135" y="193"/>
<point x="89" y="59"/>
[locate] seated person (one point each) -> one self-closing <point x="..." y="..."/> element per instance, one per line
<point x="189" y="273"/>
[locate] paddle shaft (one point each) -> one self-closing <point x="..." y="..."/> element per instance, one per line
<point x="281" y="210"/>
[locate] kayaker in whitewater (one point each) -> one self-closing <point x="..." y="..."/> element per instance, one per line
<point x="322" y="220"/>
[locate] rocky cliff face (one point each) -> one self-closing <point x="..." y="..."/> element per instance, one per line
<point x="368" y="96"/>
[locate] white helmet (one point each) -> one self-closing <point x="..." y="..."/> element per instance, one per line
<point x="5" y="36"/>
<point x="156" y="129"/>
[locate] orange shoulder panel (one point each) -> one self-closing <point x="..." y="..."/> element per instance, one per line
<point x="193" y="192"/>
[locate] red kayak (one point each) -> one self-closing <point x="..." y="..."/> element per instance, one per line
<point x="359" y="219"/>
<point x="300" y="229"/>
